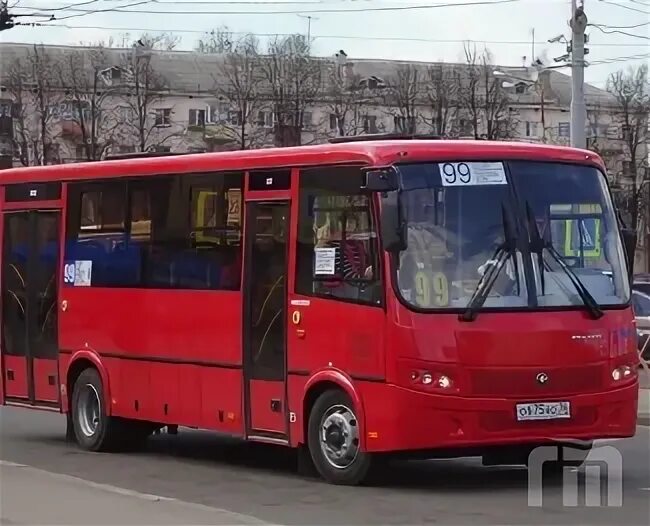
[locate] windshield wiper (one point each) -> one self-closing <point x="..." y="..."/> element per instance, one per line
<point x="538" y="244"/>
<point x="503" y="252"/>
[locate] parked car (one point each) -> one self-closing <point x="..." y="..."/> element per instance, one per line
<point x="641" y="306"/>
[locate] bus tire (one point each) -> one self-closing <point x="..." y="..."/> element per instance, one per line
<point x="334" y="440"/>
<point x="94" y="430"/>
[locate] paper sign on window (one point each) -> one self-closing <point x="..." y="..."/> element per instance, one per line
<point x="234" y="206"/>
<point x="325" y="261"/>
<point x="472" y="174"/>
<point x="78" y="274"/>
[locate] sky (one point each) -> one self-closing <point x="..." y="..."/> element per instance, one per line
<point x="421" y="30"/>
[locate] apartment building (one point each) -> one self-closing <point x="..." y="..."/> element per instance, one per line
<point x="191" y="105"/>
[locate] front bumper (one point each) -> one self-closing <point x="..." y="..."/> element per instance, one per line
<point x="407" y="420"/>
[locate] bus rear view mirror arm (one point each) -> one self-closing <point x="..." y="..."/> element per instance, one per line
<point x="629" y="241"/>
<point x="392" y="228"/>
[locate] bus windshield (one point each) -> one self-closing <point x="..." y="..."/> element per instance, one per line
<point x="459" y="217"/>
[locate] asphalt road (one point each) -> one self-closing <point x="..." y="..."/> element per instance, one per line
<point x="260" y="482"/>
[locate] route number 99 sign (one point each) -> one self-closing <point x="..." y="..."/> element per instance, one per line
<point x="472" y="174"/>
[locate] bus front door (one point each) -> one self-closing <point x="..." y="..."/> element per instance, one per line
<point x="265" y="300"/>
<point x="30" y="255"/>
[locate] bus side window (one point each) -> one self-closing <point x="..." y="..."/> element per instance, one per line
<point x="337" y="248"/>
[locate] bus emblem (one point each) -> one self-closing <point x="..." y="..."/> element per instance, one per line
<point x="542" y="378"/>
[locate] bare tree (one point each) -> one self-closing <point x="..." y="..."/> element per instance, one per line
<point x="218" y="40"/>
<point x="403" y="98"/>
<point x="142" y="91"/>
<point x="293" y="80"/>
<point x="36" y="95"/>
<point x="632" y="96"/>
<point x="468" y="85"/>
<point x="82" y="73"/>
<point x="495" y="102"/>
<point x="238" y="83"/>
<point x="346" y="100"/>
<point x="482" y="96"/>
<point x="17" y="83"/>
<point x="161" y="42"/>
<point x="441" y="92"/>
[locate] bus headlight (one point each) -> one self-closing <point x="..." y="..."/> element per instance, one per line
<point x="622" y="372"/>
<point x="434" y="380"/>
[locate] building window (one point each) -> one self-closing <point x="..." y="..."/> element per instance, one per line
<point x="83" y="150"/>
<point x="265" y="119"/>
<point x="125" y="149"/>
<point x="161" y="148"/>
<point x="235" y="118"/>
<point x="531" y="129"/>
<point x="6" y="108"/>
<point x="404" y="124"/>
<point x="520" y="88"/>
<point x="466" y="127"/>
<point x="197" y="118"/>
<point x="337" y="249"/>
<point x="178" y="232"/>
<point x="564" y="129"/>
<point x="163" y="117"/>
<point x="369" y="124"/>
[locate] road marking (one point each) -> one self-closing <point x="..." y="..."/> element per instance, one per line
<point x="138" y="495"/>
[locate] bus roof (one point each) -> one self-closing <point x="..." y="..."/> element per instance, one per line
<point x="371" y="153"/>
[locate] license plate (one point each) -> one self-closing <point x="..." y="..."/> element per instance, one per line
<point x="543" y="411"/>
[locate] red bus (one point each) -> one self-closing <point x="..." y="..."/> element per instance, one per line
<point x="355" y="300"/>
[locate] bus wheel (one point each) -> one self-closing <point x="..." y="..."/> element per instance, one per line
<point x="93" y="429"/>
<point x="334" y="441"/>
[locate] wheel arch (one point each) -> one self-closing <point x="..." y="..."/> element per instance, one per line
<point x="325" y="380"/>
<point x="80" y="361"/>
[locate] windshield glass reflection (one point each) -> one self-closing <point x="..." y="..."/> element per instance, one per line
<point x="455" y="226"/>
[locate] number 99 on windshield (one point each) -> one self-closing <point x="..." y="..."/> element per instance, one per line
<point x="472" y="173"/>
<point x="431" y="290"/>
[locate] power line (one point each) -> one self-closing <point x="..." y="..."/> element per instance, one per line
<point x="86" y="12"/>
<point x="620" y="59"/>
<point x="87" y="2"/>
<point x="613" y="31"/>
<point x="225" y="2"/>
<point x="625" y="7"/>
<point x="333" y="37"/>
<point x="635" y="26"/>
<point x="121" y="9"/>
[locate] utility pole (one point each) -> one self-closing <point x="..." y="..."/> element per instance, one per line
<point x="6" y="20"/>
<point x="578" y="25"/>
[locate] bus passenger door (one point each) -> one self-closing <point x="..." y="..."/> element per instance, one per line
<point x="265" y="299"/>
<point x="29" y="306"/>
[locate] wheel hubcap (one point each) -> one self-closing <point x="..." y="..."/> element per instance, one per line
<point x="89" y="410"/>
<point x="339" y="436"/>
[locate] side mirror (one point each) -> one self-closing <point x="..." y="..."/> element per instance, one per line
<point x="383" y="180"/>
<point x="392" y="231"/>
<point x="629" y="242"/>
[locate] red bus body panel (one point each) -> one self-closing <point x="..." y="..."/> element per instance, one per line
<point x="175" y="356"/>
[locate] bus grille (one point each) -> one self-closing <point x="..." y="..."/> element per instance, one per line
<point x="515" y="383"/>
